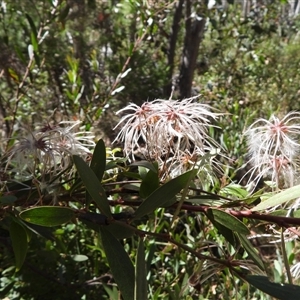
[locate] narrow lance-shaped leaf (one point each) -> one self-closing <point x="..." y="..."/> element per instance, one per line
<point x="149" y="184"/>
<point x="98" y="162"/>
<point x="34" y="38"/>
<point x="280" y="198"/>
<point x="229" y="221"/>
<point x="34" y="32"/>
<point x="277" y="290"/>
<point x="48" y="216"/>
<point x="140" y="291"/>
<point x="225" y="231"/>
<point x="119" y="262"/>
<point x="92" y="185"/>
<point x="163" y="194"/>
<point x="252" y="252"/>
<point x="19" y="241"/>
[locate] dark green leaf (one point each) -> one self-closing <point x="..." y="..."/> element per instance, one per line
<point x="284" y="196"/>
<point x="34" y="38"/>
<point x="19" y="241"/>
<point x="163" y="194"/>
<point x="98" y="162"/>
<point x="119" y="231"/>
<point x="229" y="221"/>
<point x="149" y="184"/>
<point x="252" y="252"/>
<point x="131" y="175"/>
<point x="48" y="216"/>
<point x="140" y="291"/>
<point x="63" y="14"/>
<point x="32" y="25"/>
<point x="225" y="231"/>
<point x="40" y="230"/>
<point x="277" y="290"/>
<point x="120" y="264"/>
<point x="170" y="202"/>
<point x="98" y="165"/>
<point x="92" y="185"/>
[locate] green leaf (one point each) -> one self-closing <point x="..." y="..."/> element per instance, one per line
<point x="229" y="221"/>
<point x="235" y="190"/>
<point x="142" y="172"/>
<point x="32" y="25"/>
<point x="98" y="165"/>
<point x="149" y="184"/>
<point x="225" y="231"/>
<point x="286" y="213"/>
<point x="120" y="264"/>
<point x="277" y="290"/>
<point x="40" y="230"/>
<point x="252" y="252"/>
<point x="163" y="194"/>
<point x="63" y="14"/>
<point x="92" y="185"/>
<point x="280" y="198"/>
<point x="34" y="38"/>
<point x="140" y="291"/>
<point x="98" y="162"/>
<point x="119" y="231"/>
<point x="282" y="213"/>
<point x="48" y="216"/>
<point x="19" y="241"/>
<point x="146" y="164"/>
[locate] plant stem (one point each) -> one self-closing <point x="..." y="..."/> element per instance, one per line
<point x="285" y="258"/>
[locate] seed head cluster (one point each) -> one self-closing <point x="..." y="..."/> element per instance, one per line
<point x="48" y="150"/>
<point x="173" y="133"/>
<point x="274" y="149"/>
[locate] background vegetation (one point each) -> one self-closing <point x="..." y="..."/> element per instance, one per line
<point x="84" y="60"/>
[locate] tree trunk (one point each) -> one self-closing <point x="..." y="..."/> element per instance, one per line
<point x="172" y="45"/>
<point x="194" y="31"/>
